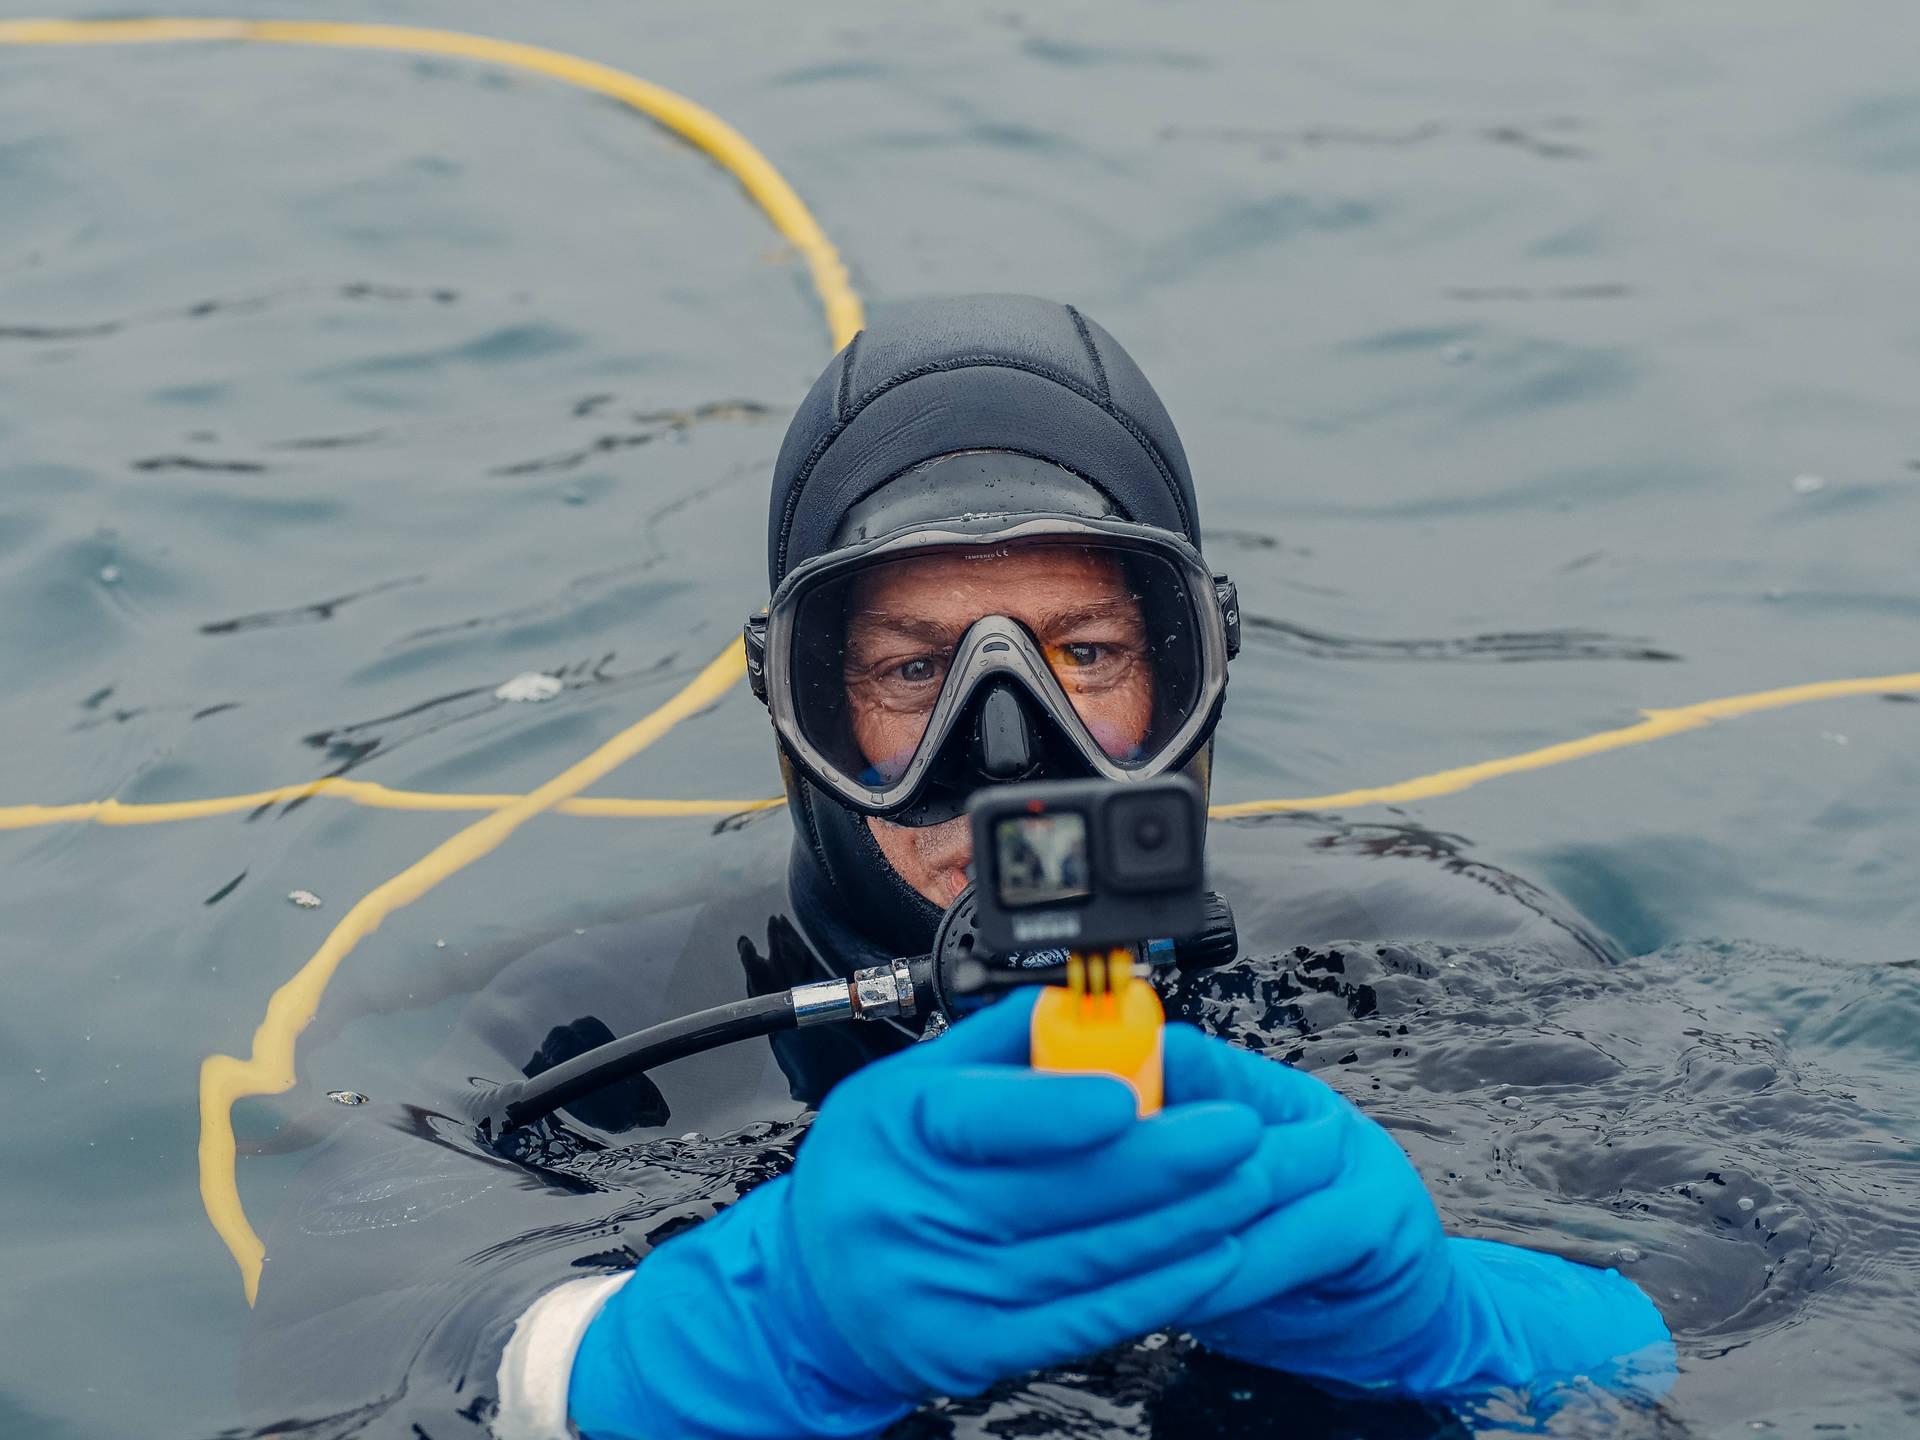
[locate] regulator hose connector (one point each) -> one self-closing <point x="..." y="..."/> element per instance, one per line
<point x="874" y="994"/>
<point x="958" y="976"/>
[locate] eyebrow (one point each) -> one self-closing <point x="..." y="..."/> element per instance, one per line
<point x="865" y="622"/>
<point x="1124" y="607"/>
<point x="869" y="624"/>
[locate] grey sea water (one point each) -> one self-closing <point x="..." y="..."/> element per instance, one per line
<point x="1537" y="364"/>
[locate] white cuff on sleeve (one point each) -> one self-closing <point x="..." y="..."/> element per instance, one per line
<point x="538" y="1359"/>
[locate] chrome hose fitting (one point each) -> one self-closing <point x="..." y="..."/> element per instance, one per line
<point x="822" y="1002"/>
<point x="872" y="994"/>
<point x="882" y="991"/>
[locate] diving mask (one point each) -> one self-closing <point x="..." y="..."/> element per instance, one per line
<point x="906" y="671"/>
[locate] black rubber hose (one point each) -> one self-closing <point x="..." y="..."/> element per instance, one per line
<point x="521" y="1102"/>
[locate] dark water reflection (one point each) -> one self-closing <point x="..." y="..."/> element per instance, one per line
<point x="336" y="391"/>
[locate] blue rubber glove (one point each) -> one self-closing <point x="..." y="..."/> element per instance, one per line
<point x="1352" y="1279"/>
<point x="954" y="1217"/>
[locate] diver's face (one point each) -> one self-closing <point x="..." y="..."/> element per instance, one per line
<point x="908" y="618"/>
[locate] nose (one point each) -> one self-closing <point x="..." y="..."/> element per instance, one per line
<point x="1004" y="745"/>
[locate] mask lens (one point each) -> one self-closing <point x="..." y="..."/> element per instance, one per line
<point x="1116" y="626"/>
<point x="1128" y="657"/>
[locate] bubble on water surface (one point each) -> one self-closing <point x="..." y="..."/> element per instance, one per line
<point x="531" y="687"/>
<point x="305" y="899"/>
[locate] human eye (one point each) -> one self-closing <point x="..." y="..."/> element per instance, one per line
<point x="1091" y="662"/>
<point x="1084" y="654"/>
<point x="897" y="681"/>
<point x="920" y="670"/>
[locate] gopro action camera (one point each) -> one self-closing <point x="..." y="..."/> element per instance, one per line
<point x="1079" y="864"/>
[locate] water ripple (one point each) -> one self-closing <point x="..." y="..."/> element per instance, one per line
<point x="1500" y="646"/>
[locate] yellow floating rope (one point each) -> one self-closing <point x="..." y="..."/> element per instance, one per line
<point x="766" y="185"/>
<point x="1656" y="725"/>
<point x="223" y="1079"/>
<point x="269" y="1069"/>
<point x="359" y="792"/>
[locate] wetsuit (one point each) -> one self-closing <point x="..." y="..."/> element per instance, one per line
<point x="404" y="1252"/>
<point x="408" y="1267"/>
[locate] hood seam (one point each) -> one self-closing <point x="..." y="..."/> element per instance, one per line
<point x="846" y="380"/>
<point x="1093" y="354"/>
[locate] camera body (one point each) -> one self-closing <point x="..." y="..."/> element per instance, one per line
<point x="1080" y="864"/>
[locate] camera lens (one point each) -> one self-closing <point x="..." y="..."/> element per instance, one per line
<point x="1152" y="839"/>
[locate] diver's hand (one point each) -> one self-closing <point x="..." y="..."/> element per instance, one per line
<point x="1350" y="1276"/>
<point x="953" y="1218"/>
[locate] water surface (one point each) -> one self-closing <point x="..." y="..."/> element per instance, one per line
<point x="1537" y="366"/>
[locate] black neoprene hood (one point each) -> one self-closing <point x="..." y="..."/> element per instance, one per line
<point x="932" y="378"/>
<point x="975" y="372"/>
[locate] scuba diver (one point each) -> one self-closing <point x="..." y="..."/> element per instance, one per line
<point x="984" y="556"/>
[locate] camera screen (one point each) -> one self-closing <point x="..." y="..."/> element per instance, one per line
<point x="1041" y="858"/>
